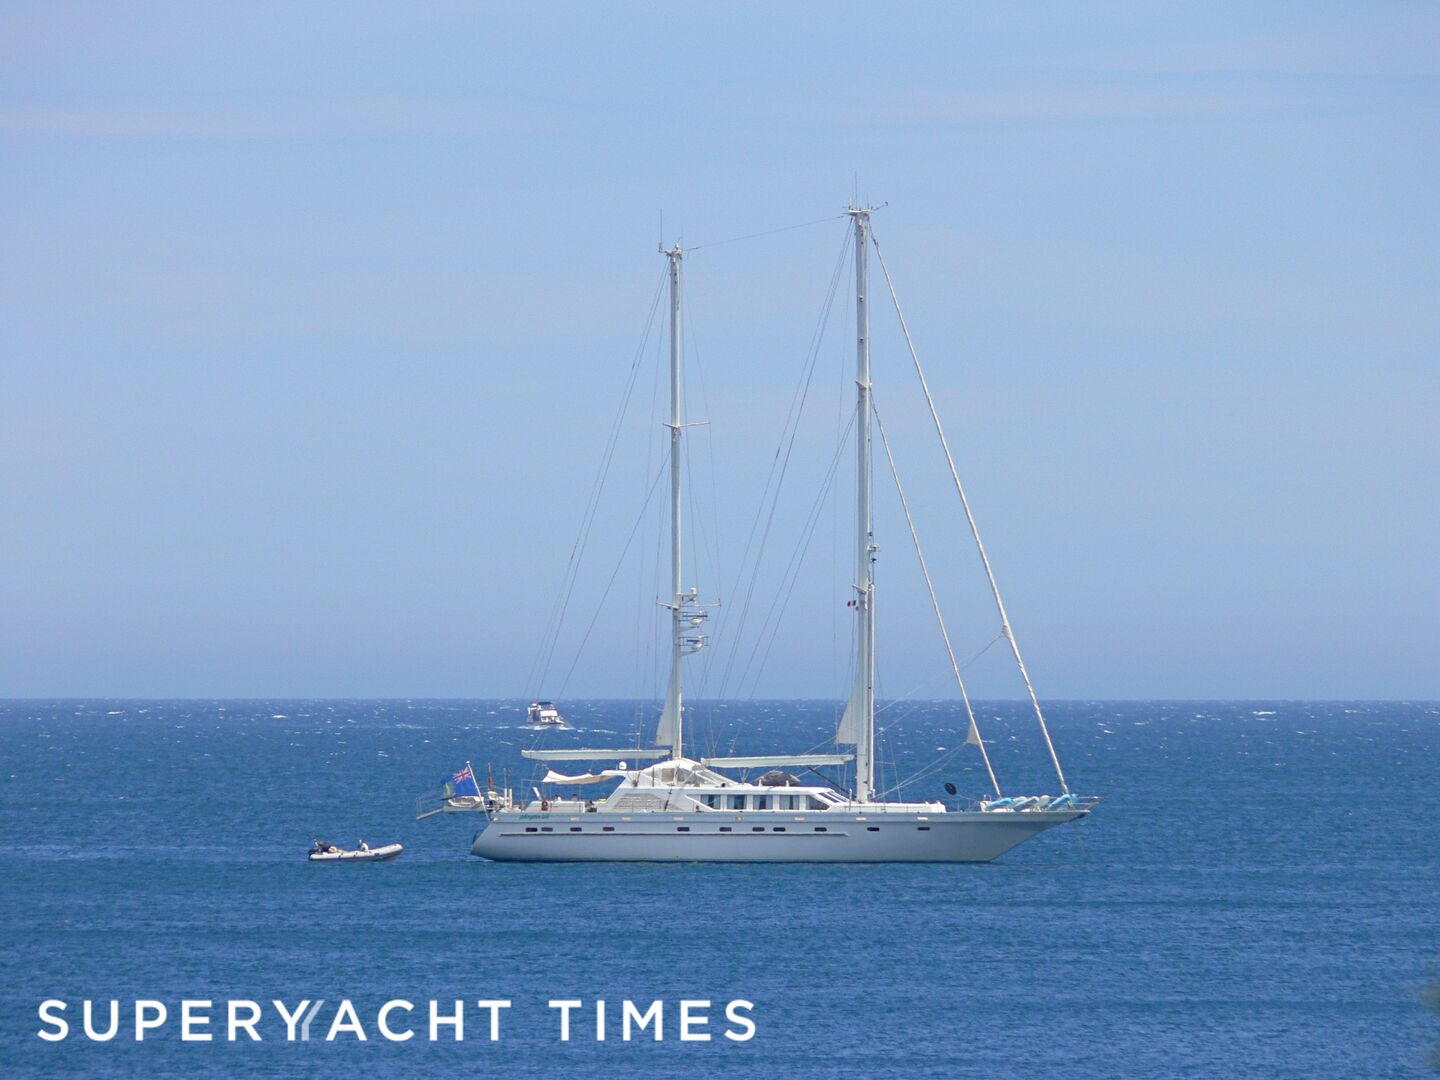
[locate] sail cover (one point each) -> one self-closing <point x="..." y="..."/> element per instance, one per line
<point x="553" y="777"/>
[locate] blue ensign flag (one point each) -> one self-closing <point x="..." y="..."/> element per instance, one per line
<point x="463" y="783"/>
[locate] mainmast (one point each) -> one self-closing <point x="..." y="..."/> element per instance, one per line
<point x="685" y="613"/>
<point x="862" y="724"/>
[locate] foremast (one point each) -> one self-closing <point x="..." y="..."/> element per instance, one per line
<point x="857" y="727"/>
<point x="686" y="616"/>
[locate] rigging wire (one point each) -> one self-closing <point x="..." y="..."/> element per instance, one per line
<point x="550" y="637"/>
<point x="705" y="534"/>
<point x="619" y="564"/>
<point x="1005" y="628"/>
<point x="934" y="600"/>
<point x="646" y="628"/>
<point x="774" y="481"/>
<point x="769" y="232"/>
<point x="774" y="618"/>
<point x="788" y="581"/>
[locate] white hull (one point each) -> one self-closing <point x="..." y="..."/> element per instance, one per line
<point x="377" y="854"/>
<point x="762" y="836"/>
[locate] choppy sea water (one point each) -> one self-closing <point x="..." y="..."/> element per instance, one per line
<point x="1259" y="895"/>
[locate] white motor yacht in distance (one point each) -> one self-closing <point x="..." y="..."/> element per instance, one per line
<point x="677" y="809"/>
<point x="544" y="714"/>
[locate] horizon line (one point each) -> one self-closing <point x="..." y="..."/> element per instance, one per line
<point x="754" y="700"/>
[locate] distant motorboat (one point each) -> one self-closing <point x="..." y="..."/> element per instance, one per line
<point x="545" y="714"/>
<point x="323" y="852"/>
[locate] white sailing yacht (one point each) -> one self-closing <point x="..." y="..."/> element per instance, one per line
<point x="683" y="809"/>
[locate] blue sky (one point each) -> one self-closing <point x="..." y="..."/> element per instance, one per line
<point x="313" y="320"/>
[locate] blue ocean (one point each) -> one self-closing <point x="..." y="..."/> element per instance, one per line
<point x="1257" y="896"/>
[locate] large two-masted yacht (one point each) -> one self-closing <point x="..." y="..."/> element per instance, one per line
<point x="663" y="805"/>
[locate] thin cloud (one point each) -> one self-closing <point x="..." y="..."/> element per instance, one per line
<point x="376" y="117"/>
<point x="1092" y="97"/>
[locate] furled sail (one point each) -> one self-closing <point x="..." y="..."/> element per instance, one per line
<point x="849" y="730"/>
<point x="667" y="730"/>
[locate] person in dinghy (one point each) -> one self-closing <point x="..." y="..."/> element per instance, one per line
<point x="322" y="851"/>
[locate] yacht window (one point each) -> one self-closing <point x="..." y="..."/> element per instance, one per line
<point x="923" y="828"/>
<point x="530" y="828"/>
<point x="762" y="802"/>
<point x="779" y="828"/>
<point x="682" y="828"/>
<point x="725" y="828"/>
<point x="872" y="828"/>
<point x="607" y="828"/>
<point x="737" y="802"/>
<point x="821" y="828"/>
<point x="546" y="828"/>
<point x="574" y="828"/>
<point x="757" y="828"/>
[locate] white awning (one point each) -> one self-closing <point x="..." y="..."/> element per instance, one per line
<point x="639" y="753"/>
<point x="778" y="759"/>
<point x="553" y="777"/>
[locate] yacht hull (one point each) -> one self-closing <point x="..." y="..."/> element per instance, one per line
<point x="762" y="836"/>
